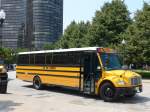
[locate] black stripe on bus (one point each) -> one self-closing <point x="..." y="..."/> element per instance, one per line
<point x="49" y="75"/>
<point x="48" y="70"/>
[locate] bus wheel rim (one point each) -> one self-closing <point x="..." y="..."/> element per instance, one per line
<point x="109" y="92"/>
<point x="37" y="83"/>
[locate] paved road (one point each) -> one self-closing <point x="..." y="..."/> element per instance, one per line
<point x="22" y="97"/>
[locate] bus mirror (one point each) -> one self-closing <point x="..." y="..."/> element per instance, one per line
<point x="98" y="67"/>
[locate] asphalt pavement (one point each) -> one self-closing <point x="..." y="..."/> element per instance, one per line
<point x="21" y="97"/>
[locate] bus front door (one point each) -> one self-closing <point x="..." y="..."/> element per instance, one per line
<point x="88" y="74"/>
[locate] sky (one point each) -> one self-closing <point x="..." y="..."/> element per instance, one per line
<point x="83" y="10"/>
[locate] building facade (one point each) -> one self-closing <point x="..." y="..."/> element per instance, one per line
<point x="15" y="14"/>
<point x="32" y="23"/>
<point x="47" y="21"/>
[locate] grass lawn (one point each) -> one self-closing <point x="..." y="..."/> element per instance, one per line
<point x="144" y="73"/>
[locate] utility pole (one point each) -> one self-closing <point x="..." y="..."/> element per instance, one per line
<point x="123" y="43"/>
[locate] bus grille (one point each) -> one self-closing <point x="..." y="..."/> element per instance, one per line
<point x="136" y="81"/>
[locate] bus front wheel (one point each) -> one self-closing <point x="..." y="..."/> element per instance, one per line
<point x="37" y="84"/>
<point x="107" y="92"/>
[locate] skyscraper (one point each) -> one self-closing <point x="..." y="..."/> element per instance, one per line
<point x="32" y="23"/>
<point x="47" y="21"/>
<point x="15" y="15"/>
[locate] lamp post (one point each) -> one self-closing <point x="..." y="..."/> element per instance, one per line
<point x="2" y="16"/>
<point x="2" y="19"/>
<point x="123" y="43"/>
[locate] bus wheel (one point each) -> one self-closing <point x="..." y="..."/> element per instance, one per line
<point x="37" y="83"/>
<point x="107" y="92"/>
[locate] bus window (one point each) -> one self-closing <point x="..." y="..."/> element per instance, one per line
<point x="40" y="59"/>
<point x="23" y="59"/>
<point x="98" y="69"/>
<point x="111" y="61"/>
<point x="49" y="58"/>
<point x="31" y="59"/>
<point x="63" y="59"/>
<point x="56" y="58"/>
<point x="76" y="58"/>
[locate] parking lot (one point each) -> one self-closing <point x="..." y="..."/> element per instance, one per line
<point x="21" y="97"/>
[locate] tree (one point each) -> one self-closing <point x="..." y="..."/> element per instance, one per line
<point x="108" y="23"/>
<point x="9" y="55"/>
<point x="138" y="37"/>
<point x="49" y="46"/>
<point x="5" y="54"/>
<point x="74" y="36"/>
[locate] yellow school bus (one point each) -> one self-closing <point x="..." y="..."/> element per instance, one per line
<point x="92" y="70"/>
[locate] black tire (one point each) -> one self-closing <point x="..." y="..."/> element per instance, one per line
<point x="37" y="84"/>
<point x="108" y="92"/>
<point x="3" y="89"/>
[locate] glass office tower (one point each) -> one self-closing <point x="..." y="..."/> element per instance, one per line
<point x="47" y="21"/>
<point x="31" y="23"/>
<point x="15" y="19"/>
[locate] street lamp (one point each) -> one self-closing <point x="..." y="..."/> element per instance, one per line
<point x="123" y="43"/>
<point x="2" y="19"/>
<point x="2" y="16"/>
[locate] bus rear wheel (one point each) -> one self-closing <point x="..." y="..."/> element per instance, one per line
<point x="107" y="92"/>
<point x="37" y="84"/>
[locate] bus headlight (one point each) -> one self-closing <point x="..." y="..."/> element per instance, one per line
<point x="121" y="82"/>
<point x="1" y="67"/>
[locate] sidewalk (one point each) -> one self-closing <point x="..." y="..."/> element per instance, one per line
<point x="146" y="80"/>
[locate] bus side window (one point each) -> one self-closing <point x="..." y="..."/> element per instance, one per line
<point x="76" y="59"/>
<point x="32" y="59"/>
<point x="56" y="58"/>
<point x="49" y="58"/>
<point x="40" y="59"/>
<point x="23" y="59"/>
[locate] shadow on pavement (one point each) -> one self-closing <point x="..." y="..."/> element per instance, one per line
<point x="135" y="100"/>
<point x="65" y="90"/>
<point x="6" y="106"/>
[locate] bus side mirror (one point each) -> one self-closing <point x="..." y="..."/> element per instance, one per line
<point x="98" y="68"/>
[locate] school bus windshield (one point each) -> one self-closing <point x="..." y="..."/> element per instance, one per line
<point x="110" y="61"/>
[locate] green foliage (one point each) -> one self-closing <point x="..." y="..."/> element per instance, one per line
<point x="109" y="23"/>
<point x="112" y="24"/>
<point x="74" y="36"/>
<point x="9" y="55"/>
<point x="138" y="38"/>
<point x="5" y="54"/>
<point x="49" y="46"/>
<point x="143" y="73"/>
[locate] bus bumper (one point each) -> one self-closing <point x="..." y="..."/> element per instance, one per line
<point x="127" y="91"/>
